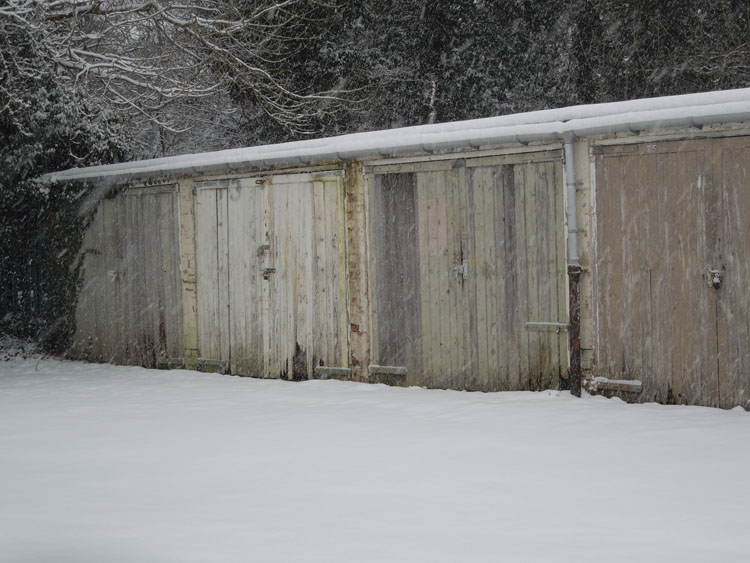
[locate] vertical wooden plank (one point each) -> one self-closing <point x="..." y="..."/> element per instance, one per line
<point x="132" y="255"/>
<point x="122" y="279"/>
<point x="277" y="280"/>
<point x="288" y="300"/>
<point x="423" y="229"/>
<point x="299" y="320"/>
<point x="165" y="267"/>
<point x="479" y="272"/>
<point x="498" y="331"/>
<point x="495" y="281"/>
<point x="186" y="306"/>
<point x="333" y="276"/>
<point x="429" y="244"/>
<point x="532" y="274"/>
<point x="712" y="196"/>
<point x="304" y="196"/>
<point x="176" y="312"/>
<point x="520" y="182"/>
<point x="101" y="325"/>
<point x="222" y="252"/>
<point x="248" y="221"/>
<point x="207" y="270"/>
<point x="514" y="332"/>
<point x="561" y="261"/>
<point x="732" y="256"/>
<point x="288" y="303"/>
<point x="468" y="322"/>
<point x="238" y="243"/>
<point x="141" y="278"/>
<point x="322" y="319"/>
<point x="545" y="297"/>
<point x="128" y="305"/>
<point x="452" y="315"/>
<point x="442" y="277"/>
<point x="269" y="285"/>
<point x="332" y="246"/>
<point x="340" y="252"/>
<point x="488" y="269"/>
<point x="252" y="257"/>
<point x="245" y="258"/>
<point x="150" y="213"/>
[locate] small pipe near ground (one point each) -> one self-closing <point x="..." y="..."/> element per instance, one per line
<point x="574" y="273"/>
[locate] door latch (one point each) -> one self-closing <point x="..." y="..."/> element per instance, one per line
<point x="713" y="277"/>
<point x="267" y="272"/>
<point x="461" y="270"/>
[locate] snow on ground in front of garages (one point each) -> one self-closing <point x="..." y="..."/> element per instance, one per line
<point x="119" y="464"/>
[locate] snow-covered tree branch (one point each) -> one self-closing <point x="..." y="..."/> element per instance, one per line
<point x="155" y="61"/>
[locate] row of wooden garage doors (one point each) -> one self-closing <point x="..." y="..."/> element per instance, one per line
<point x="466" y="258"/>
<point x="463" y="253"/>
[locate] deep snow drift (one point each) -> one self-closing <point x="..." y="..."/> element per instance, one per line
<point x="102" y="463"/>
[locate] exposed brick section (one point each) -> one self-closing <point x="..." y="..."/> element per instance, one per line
<point x="359" y="303"/>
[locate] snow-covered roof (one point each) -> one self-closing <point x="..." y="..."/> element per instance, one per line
<point x="564" y="123"/>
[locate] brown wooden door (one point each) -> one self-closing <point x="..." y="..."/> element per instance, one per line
<point x="668" y="213"/>
<point x="464" y="254"/>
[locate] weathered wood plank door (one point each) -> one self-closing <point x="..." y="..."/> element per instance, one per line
<point x="271" y="288"/>
<point x="230" y="237"/>
<point x="306" y="322"/>
<point x="130" y="305"/>
<point x="667" y="214"/>
<point x="464" y="254"/>
<point x="655" y="314"/>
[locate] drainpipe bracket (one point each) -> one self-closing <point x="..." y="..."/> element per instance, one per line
<point x="574" y="269"/>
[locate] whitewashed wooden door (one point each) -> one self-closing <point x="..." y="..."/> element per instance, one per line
<point x="271" y="282"/>
<point x="230" y="238"/>
<point x="306" y="291"/>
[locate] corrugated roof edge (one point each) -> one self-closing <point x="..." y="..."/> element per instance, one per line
<point x="564" y="123"/>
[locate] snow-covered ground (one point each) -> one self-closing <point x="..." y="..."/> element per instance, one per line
<point x="115" y="464"/>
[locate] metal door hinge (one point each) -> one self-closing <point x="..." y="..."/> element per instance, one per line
<point x="536" y="326"/>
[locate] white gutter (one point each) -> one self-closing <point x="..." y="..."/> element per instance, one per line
<point x="693" y="110"/>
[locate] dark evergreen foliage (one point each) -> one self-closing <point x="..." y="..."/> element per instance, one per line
<point x="498" y="57"/>
<point x="44" y="128"/>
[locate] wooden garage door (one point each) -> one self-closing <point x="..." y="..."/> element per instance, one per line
<point x="130" y="305"/>
<point x="465" y="253"/>
<point x="270" y="263"/>
<point x="667" y="213"/>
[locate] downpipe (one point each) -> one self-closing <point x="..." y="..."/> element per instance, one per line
<point x="574" y="272"/>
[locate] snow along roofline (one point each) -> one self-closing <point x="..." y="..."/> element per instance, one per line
<point x="555" y="124"/>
